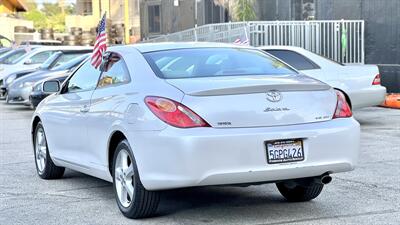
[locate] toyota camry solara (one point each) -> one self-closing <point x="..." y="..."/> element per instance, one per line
<point x="163" y="116"/>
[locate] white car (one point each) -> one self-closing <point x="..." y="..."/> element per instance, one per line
<point x="174" y="115"/>
<point x="33" y="59"/>
<point x="361" y="84"/>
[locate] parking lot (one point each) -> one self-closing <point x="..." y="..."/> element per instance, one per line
<point x="368" y="195"/>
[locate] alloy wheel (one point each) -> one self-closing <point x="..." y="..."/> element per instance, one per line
<point x="124" y="178"/>
<point x="40" y="150"/>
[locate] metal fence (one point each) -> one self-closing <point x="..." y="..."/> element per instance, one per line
<point x="339" y="40"/>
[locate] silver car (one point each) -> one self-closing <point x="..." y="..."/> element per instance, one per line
<point x="175" y="115"/>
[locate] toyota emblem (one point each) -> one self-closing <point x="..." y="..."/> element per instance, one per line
<point x="274" y="96"/>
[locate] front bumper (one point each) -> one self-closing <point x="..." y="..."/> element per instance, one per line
<point x="367" y="97"/>
<point x="3" y="92"/>
<point x="19" y="95"/>
<point x="176" y="158"/>
<point x="36" y="97"/>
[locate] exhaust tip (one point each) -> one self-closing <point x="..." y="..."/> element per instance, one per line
<point x="326" y="179"/>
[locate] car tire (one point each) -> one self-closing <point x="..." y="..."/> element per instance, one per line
<point x="300" y="191"/>
<point x="45" y="167"/>
<point x="140" y="203"/>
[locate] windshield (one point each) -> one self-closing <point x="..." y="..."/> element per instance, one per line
<point x="9" y="58"/>
<point x="4" y="51"/>
<point x="71" y="63"/>
<point x="50" y="60"/>
<point x="213" y="62"/>
<point x="66" y="57"/>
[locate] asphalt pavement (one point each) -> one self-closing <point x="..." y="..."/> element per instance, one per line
<point x="368" y="195"/>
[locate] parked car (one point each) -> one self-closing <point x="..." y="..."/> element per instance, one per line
<point x="42" y="42"/>
<point x="4" y="51"/>
<point x="12" y="55"/>
<point x="361" y="84"/>
<point x="170" y="115"/>
<point x="34" y="58"/>
<point x="37" y="94"/>
<point x="19" y="90"/>
<point x="55" y="60"/>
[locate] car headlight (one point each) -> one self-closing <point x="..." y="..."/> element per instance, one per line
<point x="26" y="84"/>
<point x="10" y="79"/>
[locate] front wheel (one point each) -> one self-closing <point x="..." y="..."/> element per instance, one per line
<point x="300" y="190"/>
<point x="45" y="167"/>
<point x="133" y="199"/>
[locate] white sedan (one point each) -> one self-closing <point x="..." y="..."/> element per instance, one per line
<point x="361" y="84"/>
<point x="173" y="115"/>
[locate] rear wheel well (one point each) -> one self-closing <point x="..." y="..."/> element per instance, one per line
<point x="115" y="139"/>
<point x="347" y="97"/>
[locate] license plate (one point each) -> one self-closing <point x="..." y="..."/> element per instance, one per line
<point x="284" y="151"/>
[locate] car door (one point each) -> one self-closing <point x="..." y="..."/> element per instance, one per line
<point x="65" y="125"/>
<point x="108" y="106"/>
<point x="299" y="62"/>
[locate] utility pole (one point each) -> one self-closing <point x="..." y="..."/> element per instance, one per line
<point x="61" y="3"/>
<point x="195" y="13"/>
<point x="126" y="21"/>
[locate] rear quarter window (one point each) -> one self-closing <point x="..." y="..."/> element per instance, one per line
<point x="294" y="59"/>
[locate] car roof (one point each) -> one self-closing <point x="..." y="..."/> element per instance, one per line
<point x="152" y="47"/>
<point x="61" y="47"/>
<point x="280" y="47"/>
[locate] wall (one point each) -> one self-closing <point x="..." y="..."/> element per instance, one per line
<point x="273" y="9"/>
<point x="7" y="25"/>
<point x="382" y="25"/>
<point x="177" y="18"/>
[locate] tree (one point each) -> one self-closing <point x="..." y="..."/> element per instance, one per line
<point x="38" y="17"/>
<point x="244" y="11"/>
<point x="50" y="16"/>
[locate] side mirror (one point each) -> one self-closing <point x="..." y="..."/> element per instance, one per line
<point x="51" y="86"/>
<point x="28" y="62"/>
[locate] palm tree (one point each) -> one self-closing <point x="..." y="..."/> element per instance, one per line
<point x="244" y="11"/>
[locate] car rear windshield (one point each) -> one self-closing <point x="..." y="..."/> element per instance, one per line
<point x="213" y="62"/>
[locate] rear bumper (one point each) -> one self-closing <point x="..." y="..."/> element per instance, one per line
<point x="175" y="158"/>
<point x="367" y="97"/>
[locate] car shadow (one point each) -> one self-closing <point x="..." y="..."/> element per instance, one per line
<point x="208" y="198"/>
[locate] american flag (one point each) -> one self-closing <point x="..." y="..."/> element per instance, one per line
<point x="242" y="41"/>
<point x="100" y="45"/>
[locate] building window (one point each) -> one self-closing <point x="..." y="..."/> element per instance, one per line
<point x="154" y="18"/>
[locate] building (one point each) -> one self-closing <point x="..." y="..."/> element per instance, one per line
<point x="382" y="26"/>
<point x="168" y="16"/>
<point x="89" y="12"/>
<point x="12" y="6"/>
<point x="9" y="18"/>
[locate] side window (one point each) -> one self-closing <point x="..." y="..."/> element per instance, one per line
<point x="84" y="79"/>
<point x="40" y="57"/>
<point x="115" y="72"/>
<point x="294" y="59"/>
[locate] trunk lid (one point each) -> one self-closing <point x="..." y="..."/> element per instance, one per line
<point x="257" y="101"/>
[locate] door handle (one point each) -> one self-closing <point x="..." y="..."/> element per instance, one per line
<point x="85" y="109"/>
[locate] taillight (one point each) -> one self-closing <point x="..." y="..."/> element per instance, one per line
<point x="343" y="109"/>
<point x="174" y="113"/>
<point x="377" y="80"/>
